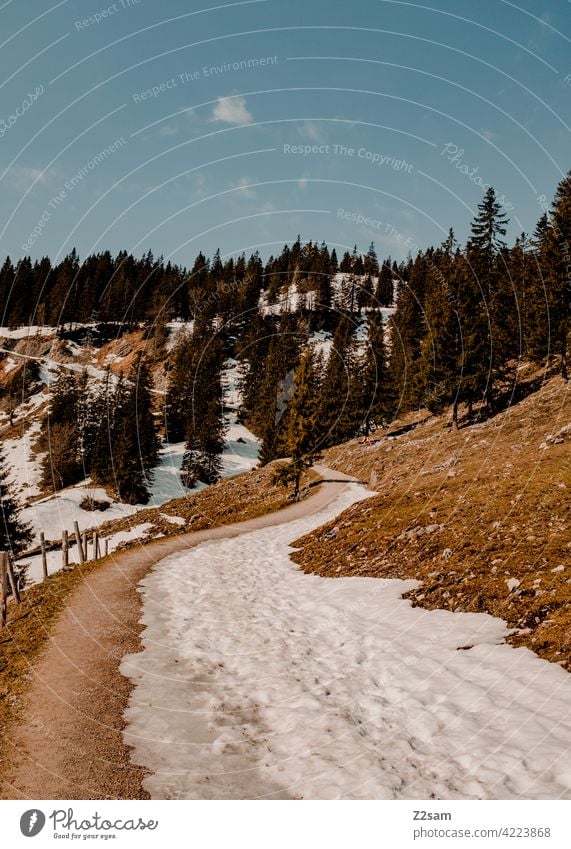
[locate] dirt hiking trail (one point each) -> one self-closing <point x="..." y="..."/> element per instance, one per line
<point x="68" y="743"/>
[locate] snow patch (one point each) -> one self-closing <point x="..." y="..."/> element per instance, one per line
<point x="258" y="680"/>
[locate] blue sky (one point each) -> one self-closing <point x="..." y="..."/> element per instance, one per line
<point x="180" y="126"/>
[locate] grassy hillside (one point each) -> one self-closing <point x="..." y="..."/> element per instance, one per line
<point x="479" y="516"/>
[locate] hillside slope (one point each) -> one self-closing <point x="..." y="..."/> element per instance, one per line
<point x="480" y="517"/>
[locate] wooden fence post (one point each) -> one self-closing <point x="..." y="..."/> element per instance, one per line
<point x="64" y="551"/>
<point x="13" y="582"/>
<point x="106" y="547"/>
<point x="96" y="554"/>
<point x="44" y="558"/>
<point x="78" y="541"/>
<point x="3" y="586"/>
<point x="85" y="544"/>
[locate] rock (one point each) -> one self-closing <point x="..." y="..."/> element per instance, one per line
<point x="447" y="464"/>
<point x="446" y="553"/>
<point x="512" y="584"/>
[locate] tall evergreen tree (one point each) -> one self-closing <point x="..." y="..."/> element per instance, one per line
<point x="129" y="479"/>
<point x="267" y="419"/>
<point x="440" y="363"/>
<point x="376" y="397"/>
<point x="488" y="353"/>
<point x="340" y="401"/>
<point x="301" y="441"/>
<point x="384" y="294"/>
<point x="407" y="328"/>
<point x="61" y="465"/>
<point x="141" y="402"/>
<point x="14" y="533"/>
<point x="204" y="433"/>
<point x="560" y="284"/>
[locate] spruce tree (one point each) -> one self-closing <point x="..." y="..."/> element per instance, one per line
<point x="267" y="421"/>
<point x="130" y="479"/>
<point x="490" y="339"/>
<point x="384" y="293"/>
<point x="101" y="465"/>
<point x="141" y="400"/>
<point x="440" y="361"/>
<point x="62" y="463"/>
<point x="179" y="389"/>
<point x="204" y="432"/>
<point x="376" y="400"/>
<point x="407" y="329"/>
<point x="301" y="441"/>
<point x="541" y="275"/>
<point x="560" y="284"/>
<point x="14" y="533"/>
<point x="340" y="402"/>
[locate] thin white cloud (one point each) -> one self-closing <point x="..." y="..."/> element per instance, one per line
<point x="167" y="130"/>
<point x="311" y="130"/>
<point x="231" y="110"/>
<point x="244" y="185"/>
<point x="22" y="176"/>
<point x="199" y="187"/>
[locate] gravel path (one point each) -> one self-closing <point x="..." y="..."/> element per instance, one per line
<point x="69" y="742"/>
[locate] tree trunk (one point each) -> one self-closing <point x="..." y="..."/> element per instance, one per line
<point x="296" y="490"/>
<point x="455" y="415"/>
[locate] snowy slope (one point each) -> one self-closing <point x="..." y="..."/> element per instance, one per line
<point x="24" y="468"/>
<point x="258" y="680"/>
<point x="34" y="572"/>
<point x="60" y="511"/>
<point x="51" y="515"/>
<point x="57" y="512"/>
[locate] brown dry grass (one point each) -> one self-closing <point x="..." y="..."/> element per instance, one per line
<point x="464" y="513"/>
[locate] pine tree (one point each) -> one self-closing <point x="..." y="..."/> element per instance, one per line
<point x="487" y="353"/>
<point x="407" y="330"/>
<point x="62" y="463"/>
<point x="141" y="401"/>
<point x="340" y="402"/>
<point x="384" y="294"/>
<point x="204" y="433"/>
<point x="179" y="389"/>
<point x="129" y="478"/>
<point x="101" y="466"/>
<point x="376" y="400"/>
<point x="323" y="291"/>
<point x="267" y="420"/>
<point x="440" y="362"/>
<point x="475" y="359"/>
<point x="302" y="439"/>
<point x="560" y="283"/>
<point x="14" y="534"/>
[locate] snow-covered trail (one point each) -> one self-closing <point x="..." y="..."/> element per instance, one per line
<point x="257" y="680"/>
